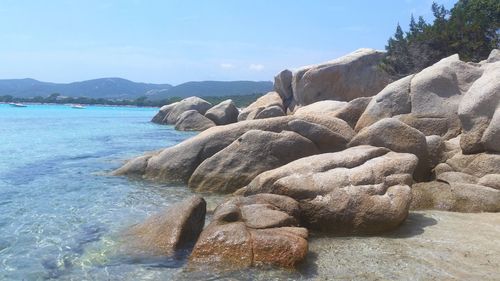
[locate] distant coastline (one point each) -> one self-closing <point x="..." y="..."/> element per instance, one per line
<point x="239" y="100"/>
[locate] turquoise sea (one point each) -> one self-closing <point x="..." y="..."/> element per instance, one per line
<point x="59" y="209"/>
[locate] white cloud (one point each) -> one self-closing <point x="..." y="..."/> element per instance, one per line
<point x="226" y="65"/>
<point x="256" y="67"/>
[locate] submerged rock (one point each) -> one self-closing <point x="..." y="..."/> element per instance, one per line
<point x="175" y="228"/>
<point x="362" y="189"/>
<point x="252" y="231"/>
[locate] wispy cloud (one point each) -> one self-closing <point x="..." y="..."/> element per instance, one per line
<point x="256" y="67"/>
<point x="226" y="65"/>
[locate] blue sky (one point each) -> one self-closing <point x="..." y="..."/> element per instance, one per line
<point x="174" y="41"/>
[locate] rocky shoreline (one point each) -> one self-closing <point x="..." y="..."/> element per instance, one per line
<point x="338" y="148"/>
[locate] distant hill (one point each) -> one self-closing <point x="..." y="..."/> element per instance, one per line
<point x="108" y="88"/>
<point x="118" y="88"/>
<point x="216" y="88"/>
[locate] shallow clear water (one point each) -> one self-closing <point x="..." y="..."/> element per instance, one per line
<point x="56" y="201"/>
<point x="61" y="215"/>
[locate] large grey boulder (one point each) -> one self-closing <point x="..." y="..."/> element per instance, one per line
<point x="270" y="112"/>
<point x="363" y="189"/>
<point x="398" y="137"/>
<point x="260" y="230"/>
<point x="428" y="100"/>
<point x="268" y="100"/>
<point x="163" y="112"/>
<point x="325" y="139"/>
<point x="353" y="110"/>
<point x="479" y="113"/>
<point x="173" y="229"/>
<point x="191" y="103"/>
<point x="283" y="86"/>
<point x="192" y="120"/>
<point x="223" y="113"/>
<point x="393" y="100"/>
<point x="325" y="106"/>
<point x="436" y="93"/>
<point x="251" y="154"/>
<point x="177" y="163"/>
<point x="352" y="76"/>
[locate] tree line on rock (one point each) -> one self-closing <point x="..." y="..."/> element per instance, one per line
<point x="471" y="29"/>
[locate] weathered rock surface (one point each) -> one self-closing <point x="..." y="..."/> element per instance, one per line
<point x="177" y="163"/>
<point x="352" y="76"/>
<point x="398" y="137"/>
<point x="455" y="196"/>
<point x="353" y="110"/>
<point x="270" y="112"/>
<point x="267" y="100"/>
<point x="223" y="113"/>
<point x="175" y="228"/>
<point x="435" y="149"/>
<point x="362" y="189"/>
<point x="445" y="126"/>
<point x="251" y="154"/>
<point x="192" y="120"/>
<point x="393" y="100"/>
<point x="169" y="114"/>
<point x="325" y="139"/>
<point x="283" y="86"/>
<point x="479" y="113"/>
<point x="464" y="183"/>
<point x="163" y="112"/>
<point x="252" y="231"/>
<point x="319" y="107"/>
<point x="428" y="100"/>
<point x="494" y="56"/>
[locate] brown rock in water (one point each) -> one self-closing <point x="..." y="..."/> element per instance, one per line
<point x="362" y="189"/>
<point x="175" y="228"/>
<point x="192" y="120"/>
<point x="251" y="154"/>
<point x="252" y="231"/>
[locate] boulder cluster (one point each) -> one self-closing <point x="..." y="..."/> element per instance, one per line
<point x="339" y="148"/>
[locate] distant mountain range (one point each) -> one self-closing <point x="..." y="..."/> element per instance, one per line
<point x="118" y="88"/>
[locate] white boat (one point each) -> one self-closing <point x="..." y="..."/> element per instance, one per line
<point x="17" y="104"/>
<point x="77" y="106"/>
